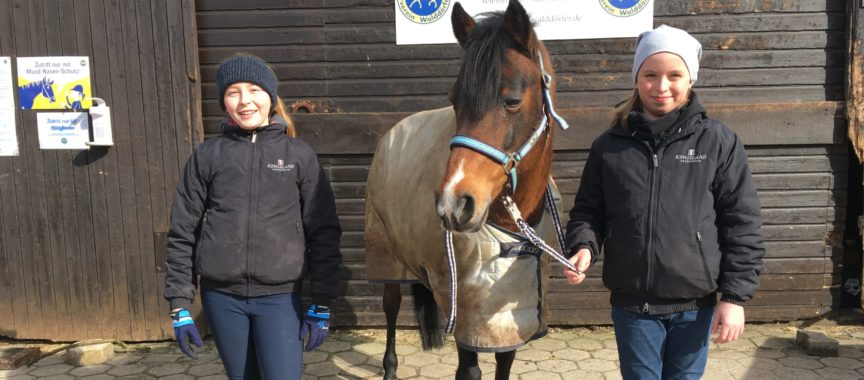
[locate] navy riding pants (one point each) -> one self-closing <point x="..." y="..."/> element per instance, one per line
<point x="257" y="337"/>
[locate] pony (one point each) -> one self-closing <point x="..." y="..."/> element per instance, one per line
<point x="437" y="177"/>
<point x="28" y="92"/>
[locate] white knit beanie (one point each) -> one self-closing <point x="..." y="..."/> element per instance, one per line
<point x="671" y="40"/>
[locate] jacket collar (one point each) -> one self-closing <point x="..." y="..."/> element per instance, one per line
<point x="231" y="129"/>
<point x="688" y="113"/>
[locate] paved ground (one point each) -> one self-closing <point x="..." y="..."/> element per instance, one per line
<point x="766" y="352"/>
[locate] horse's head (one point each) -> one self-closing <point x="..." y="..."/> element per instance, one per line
<point x="498" y="98"/>
<point x="48" y="89"/>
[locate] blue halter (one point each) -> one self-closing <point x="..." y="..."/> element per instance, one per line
<point x="511" y="160"/>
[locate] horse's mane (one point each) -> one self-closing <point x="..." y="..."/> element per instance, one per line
<point x="477" y="87"/>
<point x="30" y="85"/>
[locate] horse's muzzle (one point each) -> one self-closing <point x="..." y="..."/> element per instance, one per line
<point x="458" y="212"/>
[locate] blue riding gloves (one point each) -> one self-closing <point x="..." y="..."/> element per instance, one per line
<point x="185" y="331"/>
<point x="316" y="324"/>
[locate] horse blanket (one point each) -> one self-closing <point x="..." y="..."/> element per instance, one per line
<point x="501" y="277"/>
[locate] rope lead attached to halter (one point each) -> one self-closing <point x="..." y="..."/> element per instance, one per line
<point x="556" y="219"/>
<point x="451" y="264"/>
<point x="532" y="235"/>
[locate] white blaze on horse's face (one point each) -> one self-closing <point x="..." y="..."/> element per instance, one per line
<point x="463" y="202"/>
<point x="454" y="206"/>
<point x="451" y="184"/>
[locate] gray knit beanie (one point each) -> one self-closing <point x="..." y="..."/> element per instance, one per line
<point x="246" y="68"/>
<point x="671" y="40"/>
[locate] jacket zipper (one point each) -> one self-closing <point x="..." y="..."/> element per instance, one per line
<point x="704" y="260"/>
<point x="249" y="211"/>
<point x="652" y="212"/>
<point x="652" y="217"/>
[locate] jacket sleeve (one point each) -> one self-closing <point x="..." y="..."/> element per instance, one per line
<point x="739" y="223"/>
<point x="588" y="216"/>
<point x="322" y="231"/>
<point x="186" y="214"/>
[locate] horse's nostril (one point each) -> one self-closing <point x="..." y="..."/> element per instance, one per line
<point x="464" y="209"/>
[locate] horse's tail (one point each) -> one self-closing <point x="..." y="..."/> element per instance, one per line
<point x="426" y="311"/>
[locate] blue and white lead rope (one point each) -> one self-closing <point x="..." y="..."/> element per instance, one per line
<point x="451" y="264"/>
<point x="526" y="230"/>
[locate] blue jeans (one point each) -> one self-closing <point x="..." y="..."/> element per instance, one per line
<point x="257" y="337"/>
<point x="667" y="346"/>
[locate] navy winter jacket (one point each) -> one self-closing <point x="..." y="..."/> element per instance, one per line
<point x="252" y="216"/>
<point x="677" y="222"/>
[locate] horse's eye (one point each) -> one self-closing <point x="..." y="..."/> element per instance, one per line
<point x="512" y="102"/>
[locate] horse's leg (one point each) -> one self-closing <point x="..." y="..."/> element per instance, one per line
<point x="392" y="301"/>
<point x="426" y="312"/>
<point x="503" y="362"/>
<point x="468" y="368"/>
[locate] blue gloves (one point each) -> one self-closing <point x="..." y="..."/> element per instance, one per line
<point x="316" y="324"/>
<point x="185" y="331"/>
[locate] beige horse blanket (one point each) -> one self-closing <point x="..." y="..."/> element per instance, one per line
<point x="501" y="278"/>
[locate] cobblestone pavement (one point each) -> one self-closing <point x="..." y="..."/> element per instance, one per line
<point x="765" y="352"/>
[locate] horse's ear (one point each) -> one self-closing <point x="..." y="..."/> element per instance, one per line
<point x="517" y="24"/>
<point x="462" y="23"/>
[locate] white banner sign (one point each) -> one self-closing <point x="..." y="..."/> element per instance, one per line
<point x="428" y="21"/>
<point x="63" y="130"/>
<point x="8" y="137"/>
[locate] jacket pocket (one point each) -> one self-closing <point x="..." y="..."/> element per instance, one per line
<point x="280" y="253"/>
<point x="201" y="226"/>
<point x="220" y="249"/>
<point x="623" y="264"/>
<point x="708" y="277"/>
<point x="199" y="238"/>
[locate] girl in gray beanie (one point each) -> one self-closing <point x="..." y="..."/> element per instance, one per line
<point x="253" y="215"/>
<point x="667" y="194"/>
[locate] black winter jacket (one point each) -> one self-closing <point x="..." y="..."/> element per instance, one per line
<point x="677" y="222"/>
<point x="252" y="216"/>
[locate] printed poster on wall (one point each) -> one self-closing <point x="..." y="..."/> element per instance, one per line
<point x="428" y="21"/>
<point x="8" y="138"/>
<point x="54" y="83"/>
<point x="63" y="130"/>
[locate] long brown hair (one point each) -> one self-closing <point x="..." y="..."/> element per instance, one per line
<point x="280" y="108"/>
<point x="623" y="109"/>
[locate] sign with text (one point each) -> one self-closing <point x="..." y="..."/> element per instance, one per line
<point x="63" y="130"/>
<point x="428" y="21"/>
<point x="8" y="136"/>
<point x="54" y="83"/>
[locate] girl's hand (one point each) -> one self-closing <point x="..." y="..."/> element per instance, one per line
<point x="581" y="260"/>
<point x="728" y="323"/>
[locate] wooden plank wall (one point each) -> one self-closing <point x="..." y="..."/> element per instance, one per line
<point x="772" y="70"/>
<point x="79" y="247"/>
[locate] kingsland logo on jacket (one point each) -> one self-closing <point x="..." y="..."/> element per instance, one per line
<point x="691" y="157"/>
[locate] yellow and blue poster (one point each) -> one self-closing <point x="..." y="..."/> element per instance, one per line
<point x="54" y="83"/>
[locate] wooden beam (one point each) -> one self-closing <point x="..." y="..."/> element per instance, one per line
<point x="757" y="124"/>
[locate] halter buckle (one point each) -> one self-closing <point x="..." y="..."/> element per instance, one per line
<point x="512" y="162"/>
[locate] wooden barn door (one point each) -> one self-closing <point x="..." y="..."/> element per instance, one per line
<point x="82" y="232"/>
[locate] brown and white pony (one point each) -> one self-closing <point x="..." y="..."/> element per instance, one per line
<point x="496" y="140"/>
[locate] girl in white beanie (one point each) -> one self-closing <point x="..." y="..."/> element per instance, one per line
<point x="667" y="194"/>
